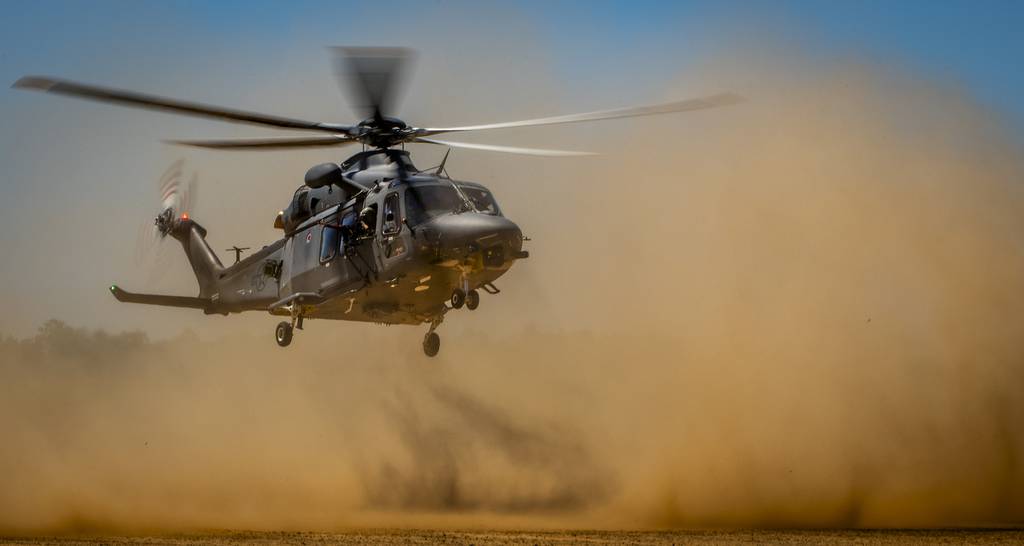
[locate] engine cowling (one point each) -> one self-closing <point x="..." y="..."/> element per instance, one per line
<point x="307" y="202"/>
<point x="324" y="174"/>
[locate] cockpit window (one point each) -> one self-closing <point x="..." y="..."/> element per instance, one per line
<point x="482" y="200"/>
<point x="430" y="201"/>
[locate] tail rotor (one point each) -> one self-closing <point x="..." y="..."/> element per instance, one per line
<point x="177" y="190"/>
<point x="176" y="196"/>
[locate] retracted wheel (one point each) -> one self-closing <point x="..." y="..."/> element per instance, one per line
<point x="431" y="344"/>
<point x="458" y="298"/>
<point x="283" y="334"/>
<point x="473" y="299"/>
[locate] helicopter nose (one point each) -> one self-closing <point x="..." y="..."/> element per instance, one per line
<point x="463" y="234"/>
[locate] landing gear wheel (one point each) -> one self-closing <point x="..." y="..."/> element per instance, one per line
<point x="473" y="299"/>
<point x="431" y="344"/>
<point x="283" y="334"/>
<point x="458" y="298"/>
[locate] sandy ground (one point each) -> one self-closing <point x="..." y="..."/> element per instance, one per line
<point x="391" y="536"/>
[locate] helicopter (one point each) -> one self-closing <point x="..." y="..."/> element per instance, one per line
<point x="373" y="238"/>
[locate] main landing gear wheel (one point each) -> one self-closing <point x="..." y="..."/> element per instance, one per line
<point x="458" y="298"/>
<point x="432" y="341"/>
<point x="431" y="344"/>
<point x="473" y="299"/>
<point x="283" y="334"/>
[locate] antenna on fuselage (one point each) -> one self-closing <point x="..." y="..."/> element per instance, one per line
<point x="440" y="168"/>
<point x="238" y="252"/>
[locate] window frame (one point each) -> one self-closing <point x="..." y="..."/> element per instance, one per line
<point x="338" y="241"/>
<point x="467" y="191"/>
<point x="397" y="227"/>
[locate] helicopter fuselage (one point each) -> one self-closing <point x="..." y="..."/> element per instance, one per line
<point x="405" y="265"/>
<point x="395" y="252"/>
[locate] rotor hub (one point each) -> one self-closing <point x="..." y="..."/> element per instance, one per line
<point x="383" y="132"/>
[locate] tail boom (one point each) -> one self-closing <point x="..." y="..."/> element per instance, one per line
<point x="205" y="263"/>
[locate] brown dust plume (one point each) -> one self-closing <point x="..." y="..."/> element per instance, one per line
<point x="805" y="310"/>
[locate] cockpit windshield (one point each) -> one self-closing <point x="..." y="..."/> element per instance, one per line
<point x="482" y="199"/>
<point x="423" y="202"/>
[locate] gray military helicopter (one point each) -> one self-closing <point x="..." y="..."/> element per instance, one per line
<point x="371" y="239"/>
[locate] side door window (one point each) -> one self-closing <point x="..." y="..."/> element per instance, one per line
<point x="392" y="215"/>
<point x="330" y="239"/>
<point x="349" y="229"/>
<point x="393" y="240"/>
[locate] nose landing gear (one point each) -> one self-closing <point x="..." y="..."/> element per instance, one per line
<point x="473" y="300"/>
<point x="458" y="298"/>
<point x="461" y="298"/>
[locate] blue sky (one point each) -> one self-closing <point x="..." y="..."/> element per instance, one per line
<point x="978" y="44"/>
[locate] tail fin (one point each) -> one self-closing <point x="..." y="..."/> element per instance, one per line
<point x="205" y="263"/>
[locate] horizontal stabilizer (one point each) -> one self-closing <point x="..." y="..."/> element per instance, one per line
<point x="153" y="299"/>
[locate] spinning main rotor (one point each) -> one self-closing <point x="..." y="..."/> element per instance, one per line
<point x="373" y="76"/>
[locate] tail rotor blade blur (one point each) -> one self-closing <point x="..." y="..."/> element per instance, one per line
<point x="170" y="186"/>
<point x="178" y="193"/>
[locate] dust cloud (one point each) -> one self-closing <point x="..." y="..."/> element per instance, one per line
<point x="805" y="310"/>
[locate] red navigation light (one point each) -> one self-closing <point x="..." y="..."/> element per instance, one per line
<point x="184" y="216"/>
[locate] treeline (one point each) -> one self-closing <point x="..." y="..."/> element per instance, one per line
<point x="56" y="340"/>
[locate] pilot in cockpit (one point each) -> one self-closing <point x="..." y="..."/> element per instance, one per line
<point x="368" y="220"/>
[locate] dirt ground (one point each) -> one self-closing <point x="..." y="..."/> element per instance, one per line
<point x="405" y="536"/>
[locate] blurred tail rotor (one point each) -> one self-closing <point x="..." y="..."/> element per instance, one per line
<point x="177" y="192"/>
<point x="175" y="196"/>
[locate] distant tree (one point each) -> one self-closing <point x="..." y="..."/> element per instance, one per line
<point x="56" y="338"/>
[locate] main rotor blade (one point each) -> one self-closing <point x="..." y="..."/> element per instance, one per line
<point x="267" y="143"/>
<point x="504" y="149"/>
<point x="131" y="98"/>
<point x="374" y="76"/>
<point x="713" y="101"/>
